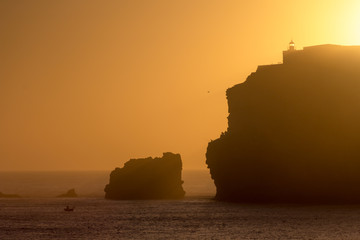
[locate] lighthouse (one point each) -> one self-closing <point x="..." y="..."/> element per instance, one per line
<point x="290" y="52"/>
<point x="292" y="46"/>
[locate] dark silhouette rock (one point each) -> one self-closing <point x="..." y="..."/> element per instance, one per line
<point x="69" y="194"/>
<point x="3" y="195"/>
<point x="293" y="131"/>
<point x="147" y="178"/>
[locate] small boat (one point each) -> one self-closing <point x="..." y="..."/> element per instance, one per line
<point x="69" y="209"/>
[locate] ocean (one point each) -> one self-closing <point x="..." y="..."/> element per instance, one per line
<point x="40" y="215"/>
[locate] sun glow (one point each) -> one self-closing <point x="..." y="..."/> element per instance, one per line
<point x="82" y="82"/>
<point x="347" y="23"/>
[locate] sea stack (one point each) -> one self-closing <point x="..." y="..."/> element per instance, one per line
<point x="69" y="194"/>
<point x="147" y="178"/>
<point x="293" y="131"/>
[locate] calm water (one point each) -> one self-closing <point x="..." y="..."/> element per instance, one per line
<point x="195" y="217"/>
<point x="191" y="218"/>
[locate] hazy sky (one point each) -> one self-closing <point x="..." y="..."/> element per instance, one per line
<point x="86" y="85"/>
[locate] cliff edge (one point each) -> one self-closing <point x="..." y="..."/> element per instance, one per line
<point x="147" y="178"/>
<point x="293" y="131"/>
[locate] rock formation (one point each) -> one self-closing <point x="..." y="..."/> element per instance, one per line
<point x="69" y="194"/>
<point x="293" y="131"/>
<point x="147" y="178"/>
<point x="3" y="195"/>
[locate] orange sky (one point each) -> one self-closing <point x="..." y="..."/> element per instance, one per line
<point x="86" y="85"/>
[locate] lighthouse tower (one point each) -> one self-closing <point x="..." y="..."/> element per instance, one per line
<point x="292" y="46"/>
<point x="290" y="53"/>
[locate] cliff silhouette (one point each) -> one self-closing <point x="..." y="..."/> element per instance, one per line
<point x="69" y="194"/>
<point x="293" y="131"/>
<point x="147" y="178"/>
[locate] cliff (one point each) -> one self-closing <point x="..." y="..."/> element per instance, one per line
<point x="69" y="194"/>
<point x="293" y="131"/>
<point x="147" y="178"/>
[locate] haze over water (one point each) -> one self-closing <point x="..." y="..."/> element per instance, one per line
<point x="87" y="184"/>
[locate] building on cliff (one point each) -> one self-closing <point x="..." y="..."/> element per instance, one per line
<point x="293" y="131"/>
<point x="320" y="53"/>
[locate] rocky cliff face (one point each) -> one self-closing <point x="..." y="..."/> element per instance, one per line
<point x="147" y="178"/>
<point x="293" y="131"/>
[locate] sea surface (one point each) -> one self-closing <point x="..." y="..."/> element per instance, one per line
<point x="40" y="215"/>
